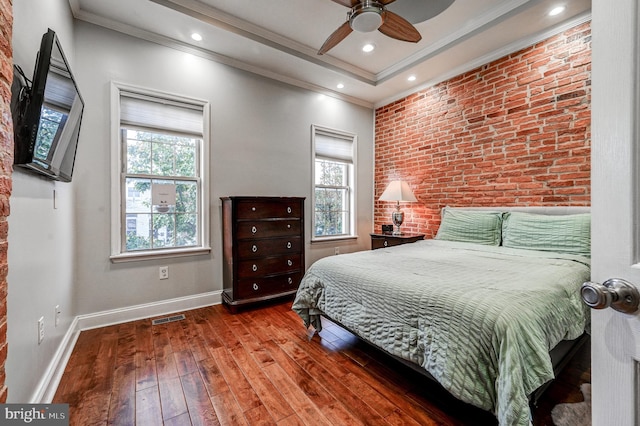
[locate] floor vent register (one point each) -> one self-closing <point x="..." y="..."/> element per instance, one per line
<point x="167" y="319"/>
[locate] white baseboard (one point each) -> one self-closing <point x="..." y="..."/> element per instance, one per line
<point x="49" y="383"/>
<point x="148" y="310"/>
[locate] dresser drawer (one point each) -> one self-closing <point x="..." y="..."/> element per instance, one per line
<point x="260" y="286"/>
<point x="268" y="247"/>
<point x="379" y="241"/>
<point x="269" y="266"/>
<point x="259" y="209"/>
<point x="267" y="228"/>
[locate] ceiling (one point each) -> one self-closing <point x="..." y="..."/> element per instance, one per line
<point x="280" y="38"/>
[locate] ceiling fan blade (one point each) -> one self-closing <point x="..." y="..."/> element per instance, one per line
<point x="399" y="28"/>
<point x="348" y="3"/>
<point x="338" y="35"/>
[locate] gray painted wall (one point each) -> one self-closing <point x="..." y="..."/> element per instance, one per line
<point x="41" y="239"/>
<point x="260" y="145"/>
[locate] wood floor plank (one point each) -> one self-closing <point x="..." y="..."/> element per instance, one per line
<point x="197" y="343"/>
<point x="212" y="378"/>
<point x="357" y="407"/>
<point x="199" y="405"/>
<point x="163" y="353"/>
<point x="181" y="420"/>
<point x="303" y="381"/>
<point x="185" y="363"/>
<point x="240" y="387"/>
<point x="205" y="330"/>
<point x="297" y="397"/>
<point x="275" y="404"/>
<point x="122" y="407"/>
<point x="148" y="408"/>
<point x="126" y="348"/>
<point x="259" y="416"/>
<point x="293" y="420"/>
<point x="172" y="399"/>
<point x="146" y="375"/>
<point x="92" y="410"/>
<point x="259" y="366"/>
<point x="227" y="409"/>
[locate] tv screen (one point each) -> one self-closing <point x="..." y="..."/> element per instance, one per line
<point x="47" y="114"/>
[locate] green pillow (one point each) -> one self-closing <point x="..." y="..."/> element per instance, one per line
<point x="560" y="233"/>
<point x="480" y="227"/>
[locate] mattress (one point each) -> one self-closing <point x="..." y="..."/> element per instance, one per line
<point x="480" y="319"/>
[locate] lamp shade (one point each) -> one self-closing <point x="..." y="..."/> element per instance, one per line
<point x="398" y="190"/>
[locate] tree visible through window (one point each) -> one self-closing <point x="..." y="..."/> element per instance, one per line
<point x="158" y="159"/>
<point x="333" y="183"/>
<point x="331" y="198"/>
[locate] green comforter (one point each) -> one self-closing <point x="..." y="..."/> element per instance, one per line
<point x="480" y="319"/>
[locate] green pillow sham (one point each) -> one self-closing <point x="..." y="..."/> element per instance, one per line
<point x="562" y="233"/>
<point x="480" y="227"/>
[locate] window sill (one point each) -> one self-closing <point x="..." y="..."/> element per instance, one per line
<point x="333" y="239"/>
<point x="160" y="254"/>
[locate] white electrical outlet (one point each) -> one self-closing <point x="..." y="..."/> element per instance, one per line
<point x="57" y="315"/>
<point x="164" y="272"/>
<point x="336" y="250"/>
<point x="40" y="330"/>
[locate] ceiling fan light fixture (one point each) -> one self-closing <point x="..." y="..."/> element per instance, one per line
<point x="366" y="17"/>
<point x="366" y="21"/>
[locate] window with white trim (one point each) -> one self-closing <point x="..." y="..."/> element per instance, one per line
<point x="160" y="197"/>
<point x="334" y="183"/>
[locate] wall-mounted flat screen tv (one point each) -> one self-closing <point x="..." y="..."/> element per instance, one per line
<point x="47" y="113"/>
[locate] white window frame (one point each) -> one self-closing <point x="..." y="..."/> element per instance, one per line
<point x="352" y="138"/>
<point x="118" y="216"/>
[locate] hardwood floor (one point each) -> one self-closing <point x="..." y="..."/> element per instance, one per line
<point x="259" y="367"/>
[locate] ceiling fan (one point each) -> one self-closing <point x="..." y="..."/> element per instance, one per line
<point x="371" y="15"/>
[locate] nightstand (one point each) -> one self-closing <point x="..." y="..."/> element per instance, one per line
<point x="389" y="240"/>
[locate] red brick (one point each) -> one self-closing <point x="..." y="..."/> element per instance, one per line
<point x="512" y="132"/>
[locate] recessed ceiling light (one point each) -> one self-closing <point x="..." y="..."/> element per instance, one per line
<point x="411" y="78"/>
<point x="557" y="10"/>
<point x="340" y="86"/>
<point x="196" y="37"/>
<point x="368" y="47"/>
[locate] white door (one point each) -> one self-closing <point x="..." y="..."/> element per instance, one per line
<point x="615" y="207"/>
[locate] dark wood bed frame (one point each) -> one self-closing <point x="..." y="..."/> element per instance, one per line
<point x="560" y="357"/>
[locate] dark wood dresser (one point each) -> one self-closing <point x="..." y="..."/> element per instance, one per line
<point x="263" y="243"/>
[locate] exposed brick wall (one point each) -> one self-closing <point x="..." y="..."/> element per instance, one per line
<point x="6" y="161"/>
<point x="514" y="132"/>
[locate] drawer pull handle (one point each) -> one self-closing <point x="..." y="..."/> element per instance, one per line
<point x="255" y="287"/>
<point x="254" y="248"/>
<point x="386" y="243"/>
<point x="290" y="280"/>
<point x="254" y="267"/>
<point x="289" y="262"/>
<point x="254" y="229"/>
<point x="253" y="209"/>
<point x="288" y="226"/>
<point x="289" y="210"/>
<point x="288" y="244"/>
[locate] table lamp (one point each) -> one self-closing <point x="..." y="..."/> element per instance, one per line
<point x="397" y="191"/>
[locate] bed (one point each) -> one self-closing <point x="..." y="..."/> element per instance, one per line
<point x="478" y="308"/>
